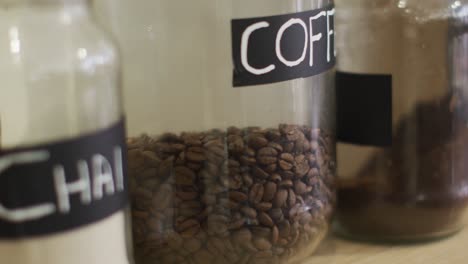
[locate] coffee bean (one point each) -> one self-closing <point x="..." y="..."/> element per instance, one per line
<point x="286" y="184"/>
<point x="249" y="212"/>
<point x="238" y="196"/>
<point x="267" y="156"/>
<point x="256" y="193"/>
<point x="280" y="198"/>
<point x="263" y="206"/>
<point x="262" y="244"/>
<point x="265" y="219"/>
<point x="270" y="169"/>
<point x="286" y="161"/>
<point x="275" y="235"/>
<point x="236" y="224"/>
<point x="259" y="173"/>
<point x="169" y="148"/>
<point x="188" y="224"/>
<point x="277" y="214"/>
<point x="258" y="141"/>
<point x="291" y="198"/>
<point x="300" y="187"/>
<point x="276" y="146"/>
<point x="302" y="166"/>
<point x="276" y="177"/>
<point x="269" y="191"/>
<point x="283" y="242"/>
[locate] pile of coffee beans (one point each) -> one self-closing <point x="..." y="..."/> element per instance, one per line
<point x="238" y="196"/>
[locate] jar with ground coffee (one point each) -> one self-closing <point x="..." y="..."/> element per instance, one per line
<point x="402" y="92"/>
<point x="63" y="187"/>
<point x="231" y="127"/>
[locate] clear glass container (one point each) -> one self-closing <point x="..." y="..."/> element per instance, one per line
<point x="60" y="85"/>
<point x="416" y="187"/>
<point x="224" y="174"/>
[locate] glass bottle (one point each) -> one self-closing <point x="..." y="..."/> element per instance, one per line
<point x="410" y="58"/>
<point x="62" y="177"/>
<point x="231" y="146"/>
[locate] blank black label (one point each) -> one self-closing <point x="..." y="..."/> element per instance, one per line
<point x="284" y="47"/>
<point x="364" y="109"/>
<point x="64" y="185"/>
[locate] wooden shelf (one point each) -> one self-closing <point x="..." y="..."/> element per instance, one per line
<point x="452" y="250"/>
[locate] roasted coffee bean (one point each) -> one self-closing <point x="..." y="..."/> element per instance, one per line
<point x="274" y="235"/>
<point x="236" y="224"/>
<point x="276" y="177"/>
<point x="267" y="155"/>
<point x="259" y="173"/>
<point x="187" y="224"/>
<point x="286" y="161"/>
<point x="291" y="198"/>
<point x="257" y="141"/>
<point x="248" y="181"/>
<point x="265" y="219"/>
<point x="269" y="191"/>
<point x="256" y="193"/>
<point x="270" y="169"/>
<point x="280" y="198"/>
<point x="263" y="206"/>
<point x="286" y="184"/>
<point x="277" y="214"/>
<point x="241" y="196"/>
<point x="302" y="166"/>
<point x="300" y="187"/>
<point x="238" y="196"/>
<point x="249" y="212"/>
<point x="262" y="244"/>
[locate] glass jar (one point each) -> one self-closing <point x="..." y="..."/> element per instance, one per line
<point x="63" y="190"/>
<point x="403" y="158"/>
<point x="231" y="127"/>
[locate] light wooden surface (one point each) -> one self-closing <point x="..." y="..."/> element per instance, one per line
<point x="453" y="250"/>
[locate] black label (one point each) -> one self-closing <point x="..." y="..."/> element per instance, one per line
<point x="64" y="185"/>
<point x="364" y="109"/>
<point x="285" y="47"/>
